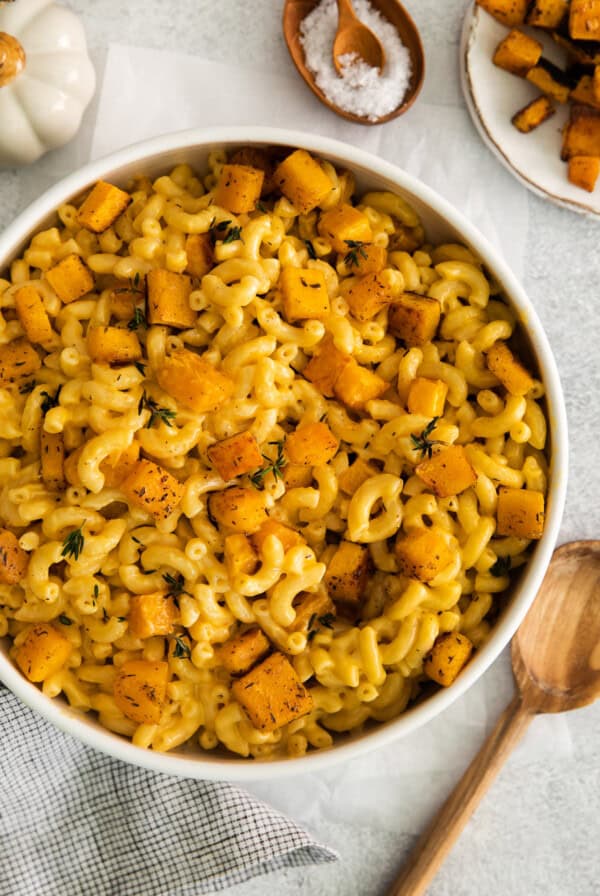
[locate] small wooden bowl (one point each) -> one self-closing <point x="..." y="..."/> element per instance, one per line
<point x="297" y="10"/>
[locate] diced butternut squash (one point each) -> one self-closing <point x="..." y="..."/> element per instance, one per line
<point x="414" y="318"/>
<point x="548" y="14"/>
<point x="344" y="225"/>
<point x="297" y="476"/>
<point x="255" y="157"/>
<point x="13" y="559"/>
<point x="169" y="299"/>
<point x="584" y="93"/>
<point x="311" y="445"/>
<point x="348" y="573"/>
<point x="102" y="207"/>
<point x="427" y="397"/>
<point x="365" y="259"/>
<point x="70" y="279"/>
<point x="241" y="653"/>
<point x="509" y="12"/>
<point x="584" y="19"/>
<point x="140" y="690"/>
<point x="113" y="345"/>
<point x="509" y="370"/>
<point x="406" y="239"/>
<point x="517" y="53"/>
<point x="367" y="296"/>
<point x="33" y="315"/>
<point x="310" y="608"/>
<point x="356" y="385"/>
<point x="117" y="467"/>
<point x="581" y="136"/>
<point x="43" y="653"/>
<point x="288" y="537"/>
<point x="18" y="360"/>
<point x="151" y="615"/>
<point x="448" y="656"/>
<point x="584" y="171"/>
<point x="153" y="489"/>
<point x="200" y="254"/>
<point x="238" y="188"/>
<point x="520" y="513"/>
<point x="448" y="472"/>
<point x="52" y="455"/>
<point x="302" y="180"/>
<point x="240" y="556"/>
<point x="422" y="554"/>
<point x="304" y="294"/>
<point x="272" y="694"/>
<point x="236" y="455"/>
<point x="350" y="479"/>
<point x="193" y="382"/>
<point x="325" y="366"/>
<point x="552" y="81"/>
<point x="238" y="509"/>
<point x="533" y="114"/>
<point x="122" y="302"/>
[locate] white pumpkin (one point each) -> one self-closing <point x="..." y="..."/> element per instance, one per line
<point x="46" y="79"/>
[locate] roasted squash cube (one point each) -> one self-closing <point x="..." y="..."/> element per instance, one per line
<point x="255" y="157"/>
<point x="414" y="318"/>
<point x="551" y="80"/>
<point x="13" y="559"/>
<point x="240" y="556"/>
<point x="288" y="537"/>
<point x="43" y="653"/>
<point x="241" y="653"/>
<point x="422" y="554"/>
<point x="584" y="19"/>
<point x="153" y="489"/>
<point x="367" y="296"/>
<point x="272" y="694"/>
<point x="169" y="299"/>
<point x="584" y="171"/>
<point x="297" y="476"/>
<point x="238" y="188"/>
<point x="448" y="472"/>
<point x="581" y="136"/>
<point x="200" y="254"/>
<point x="302" y="180"/>
<point x="123" y="301"/>
<point x="117" y="467"/>
<point x="113" y="345"/>
<point x="548" y="14"/>
<point x="193" y="382"/>
<point x="18" y="360"/>
<point x="533" y="114"/>
<point x="70" y="279"/>
<point x="344" y="225"/>
<point x="351" y="479"/>
<point x="447" y="657"/>
<point x="517" y="53"/>
<point x="140" y="690"/>
<point x="236" y="455"/>
<point x="520" y="513"/>
<point x="356" y="385"/>
<point x="312" y="444"/>
<point x="102" y="207"/>
<point x="151" y="615"/>
<point x="238" y="509"/>
<point x="304" y="294"/>
<point x="427" y="397"/>
<point x="347" y="573"/>
<point x="509" y="370"/>
<point x="52" y="455"/>
<point x="364" y="259"/>
<point x="325" y="366"/>
<point x="583" y="92"/>
<point x="509" y="12"/>
<point x="310" y="608"/>
<point x="33" y="315"/>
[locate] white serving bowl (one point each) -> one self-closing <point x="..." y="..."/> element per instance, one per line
<point x="442" y="223"/>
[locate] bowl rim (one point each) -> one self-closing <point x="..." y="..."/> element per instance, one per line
<point x="216" y="768"/>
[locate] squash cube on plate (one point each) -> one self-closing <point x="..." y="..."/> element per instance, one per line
<point x="347" y="573"/>
<point x="422" y="554"/>
<point x="52" y="455"/>
<point x="520" y="513"/>
<point x="584" y="93"/>
<point x="447" y="658"/>
<point x="113" y="345"/>
<point x="302" y="180"/>
<point x="193" y="381"/>
<point x="272" y="694"/>
<point x="140" y="690"/>
<point x="533" y="114"/>
<point x="43" y="653"/>
<point x="241" y="653"/>
<point x="13" y="559"/>
<point x="151" y="615"/>
<point x="548" y="14"/>
<point x="325" y="366"/>
<point x="238" y="509"/>
<point x="551" y="80"/>
<point x="153" y="489"/>
<point x="584" y="19"/>
<point x="102" y="207"/>
<point x="33" y="315"/>
<point x="367" y="296"/>
<point x="509" y="12"/>
<point x="350" y="479"/>
<point x="311" y="445"/>
<point x="357" y="385"/>
<point x="200" y="254"/>
<point x="288" y="537"/>
<point x="427" y="397"/>
<point x="18" y="359"/>
<point x="344" y="225"/>
<point x="584" y="171"/>
<point x="581" y="136"/>
<point x="235" y="455"/>
<point x="70" y="279"/>
<point x="169" y="299"/>
<point x="517" y="53"/>
<point x="509" y="370"/>
<point x="304" y="294"/>
<point x="238" y="188"/>
<point x="448" y="472"/>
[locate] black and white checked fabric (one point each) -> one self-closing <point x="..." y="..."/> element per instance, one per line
<point x="74" y="822"/>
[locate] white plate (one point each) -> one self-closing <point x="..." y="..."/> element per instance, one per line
<point x="494" y="95"/>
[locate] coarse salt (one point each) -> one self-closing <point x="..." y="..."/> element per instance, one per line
<point x="361" y="89"/>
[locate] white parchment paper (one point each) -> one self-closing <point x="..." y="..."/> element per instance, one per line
<point x="149" y="92"/>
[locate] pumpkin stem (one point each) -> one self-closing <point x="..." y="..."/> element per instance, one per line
<point x="12" y="58"/>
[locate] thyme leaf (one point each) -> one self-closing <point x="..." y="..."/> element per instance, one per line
<point x="64" y="620"/>
<point x="356" y="247"/>
<point x="138" y="320"/>
<point x="49" y="401"/>
<point x="175" y="584"/>
<point x="310" y="249"/>
<point x="423" y="443"/>
<point x="272" y="466"/>
<point x="181" y="649"/>
<point x="73" y="544"/>
<point x="166" y="415"/>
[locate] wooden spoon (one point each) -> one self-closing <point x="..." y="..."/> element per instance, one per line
<point x="354" y="37"/>
<point x="296" y="10"/>
<point x="556" y="663"/>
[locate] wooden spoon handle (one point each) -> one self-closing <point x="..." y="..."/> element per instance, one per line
<point x="346" y="14"/>
<point x="437" y="841"/>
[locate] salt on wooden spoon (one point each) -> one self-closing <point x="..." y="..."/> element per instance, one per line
<point x="353" y="38"/>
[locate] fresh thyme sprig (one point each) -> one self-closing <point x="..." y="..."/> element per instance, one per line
<point x="175" y="584"/>
<point x="138" y="320"/>
<point x="356" y="247"/>
<point x="73" y="544"/>
<point x="222" y="231"/>
<point x="327" y="621"/>
<point x="501" y="567"/>
<point x="166" y="415"/>
<point x="423" y="443"/>
<point x="181" y="649"/>
<point x="273" y="466"/>
<point x="50" y="401"/>
<point x="134" y="285"/>
<point x="141" y="368"/>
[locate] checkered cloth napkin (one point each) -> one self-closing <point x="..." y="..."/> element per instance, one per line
<point x="75" y="823"/>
